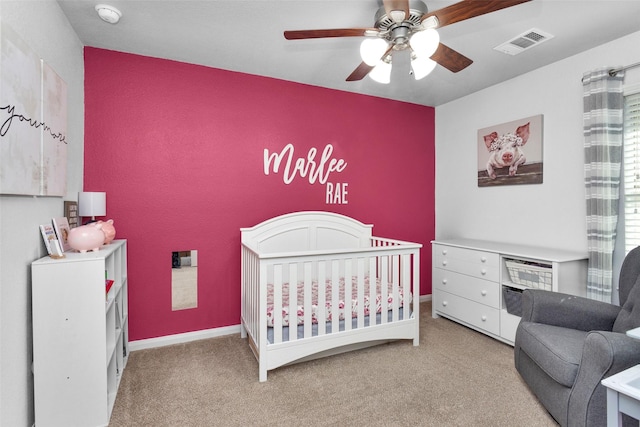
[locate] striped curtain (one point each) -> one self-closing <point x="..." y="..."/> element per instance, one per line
<point x="603" y="134"/>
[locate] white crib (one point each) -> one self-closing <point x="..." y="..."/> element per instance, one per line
<point x="314" y="251"/>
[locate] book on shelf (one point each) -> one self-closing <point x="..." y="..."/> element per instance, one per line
<point x="50" y="241"/>
<point x="61" y="226"/>
<point x="108" y="285"/>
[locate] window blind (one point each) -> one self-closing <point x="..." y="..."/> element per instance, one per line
<point x="632" y="171"/>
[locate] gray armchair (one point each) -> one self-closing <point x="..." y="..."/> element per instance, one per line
<point x="565" y="345"/>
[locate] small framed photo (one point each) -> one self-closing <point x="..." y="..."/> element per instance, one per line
<point x="61" y="226"/>
<point x="71" y="213"/>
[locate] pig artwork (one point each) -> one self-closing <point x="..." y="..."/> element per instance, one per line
<point x="506" y="150"/>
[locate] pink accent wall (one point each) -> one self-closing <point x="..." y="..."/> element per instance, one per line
<point x="179" y="149"/>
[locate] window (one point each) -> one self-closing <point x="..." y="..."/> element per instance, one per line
<point x="632" y="170"/>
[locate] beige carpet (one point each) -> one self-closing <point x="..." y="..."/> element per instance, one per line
<point x="456" y="377"/>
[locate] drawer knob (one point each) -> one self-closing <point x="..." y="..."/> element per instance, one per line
<point x="444" y="262"/>
<point x="483" y="259"/>
<point x="483" y="293"/>
<point x="444" y="303"/>
<point x="483" y="271"/>
<point x="444" y="252"/>
<point x="484" y="318"/>
<point x="444" y="281"/>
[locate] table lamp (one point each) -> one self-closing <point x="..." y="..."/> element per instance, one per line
<point x="92" y="204"/>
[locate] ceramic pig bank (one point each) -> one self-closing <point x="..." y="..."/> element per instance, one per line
<point x="506" y="150"/>
<point x="109" y="231"/>
<point x="86" y="237"/>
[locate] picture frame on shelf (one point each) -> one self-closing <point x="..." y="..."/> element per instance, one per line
<point x="61" y="227"/>
<point x="71" y="213"/>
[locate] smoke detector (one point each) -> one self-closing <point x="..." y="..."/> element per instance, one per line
<point x="524" y="41"/>
<point x="108" y="13"/>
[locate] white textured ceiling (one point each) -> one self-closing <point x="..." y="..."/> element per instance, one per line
<point x="247" y="36"/>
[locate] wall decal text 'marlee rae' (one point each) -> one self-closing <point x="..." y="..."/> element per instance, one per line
<point x="307" y="167"/>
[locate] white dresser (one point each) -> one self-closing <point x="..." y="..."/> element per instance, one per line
<point x="472" y="277"/>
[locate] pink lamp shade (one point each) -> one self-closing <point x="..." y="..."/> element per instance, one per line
<point x="92" y="204"/>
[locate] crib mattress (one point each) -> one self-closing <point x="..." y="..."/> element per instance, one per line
<point x="329" y="311"/>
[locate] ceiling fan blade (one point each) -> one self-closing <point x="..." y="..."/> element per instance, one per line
<point x="467" y="9"/>
<point x="363" y="69"/>
<point x="360" y="72"/>
<point x="450" y="59"/>
<point x="338" y="32"/>
<point x="396" y="6"/>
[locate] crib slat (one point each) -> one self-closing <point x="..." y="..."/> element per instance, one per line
<point x="277" y="303"/>
<point x="406" y="281"/>
<point x="307" y="300"/>
<point x="293" y="302"/>
<point x="384" y="288"/>
<point x="348" y="293"/>
<point x="322" y="297"/>
<point x="396" y="276"/>
<point x="254" y="298"/>
<point x="335" y="296"/>
<point x="373" y="290"/>
<point x="361" y="292"/>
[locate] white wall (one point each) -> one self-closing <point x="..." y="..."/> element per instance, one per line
<point x="548" y="214"/>
<point x="43" y="26"/>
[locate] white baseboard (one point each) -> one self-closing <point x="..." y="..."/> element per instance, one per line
<point x="198" y="335"/>
<point x="182" y="338"/>
<point x="424" y="298"/>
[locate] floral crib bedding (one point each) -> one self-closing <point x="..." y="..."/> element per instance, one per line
<point x="329" y="312"/>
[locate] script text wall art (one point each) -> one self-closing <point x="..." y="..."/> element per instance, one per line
<point x="316" y="167"/>
<point x="33" y="122"/>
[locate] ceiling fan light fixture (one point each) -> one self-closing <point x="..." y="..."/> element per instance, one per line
<point x="422" y="66"/>
<point x="424" y="43"/>
<point x="371" y="50"/>
<point x="381" y="73"/>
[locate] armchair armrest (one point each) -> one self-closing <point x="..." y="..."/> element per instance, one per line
<point x="568" y="311"/>
<point x="604" y="354"/>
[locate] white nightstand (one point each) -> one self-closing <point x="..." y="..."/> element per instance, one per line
<point x="623" y="391"/>
<point x="634" y="333"/>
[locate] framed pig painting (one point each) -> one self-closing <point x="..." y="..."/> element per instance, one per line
<point x="511" y="153"/>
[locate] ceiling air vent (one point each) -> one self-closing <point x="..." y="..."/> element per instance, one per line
<point x="524" y="41"/>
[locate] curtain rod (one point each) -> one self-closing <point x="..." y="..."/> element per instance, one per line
<point x="614" y="71"/>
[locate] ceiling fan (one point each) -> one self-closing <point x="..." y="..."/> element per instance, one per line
<point x="401" y="25"/>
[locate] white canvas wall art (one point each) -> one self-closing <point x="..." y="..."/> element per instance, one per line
<point x="33" y="121"/>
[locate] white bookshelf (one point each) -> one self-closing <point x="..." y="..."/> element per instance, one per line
<point x="80" y="335"/>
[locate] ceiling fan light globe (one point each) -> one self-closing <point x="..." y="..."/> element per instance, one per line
<point x="371" y="50"/>
<point x="424" y="43"/>
<point x="381" y="73"/>
<point x="422" y="67"/>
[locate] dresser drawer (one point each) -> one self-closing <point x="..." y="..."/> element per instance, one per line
<point x="479" y="290"/>
<point x="478" y="315"/>
<point x="485" y="265"/>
